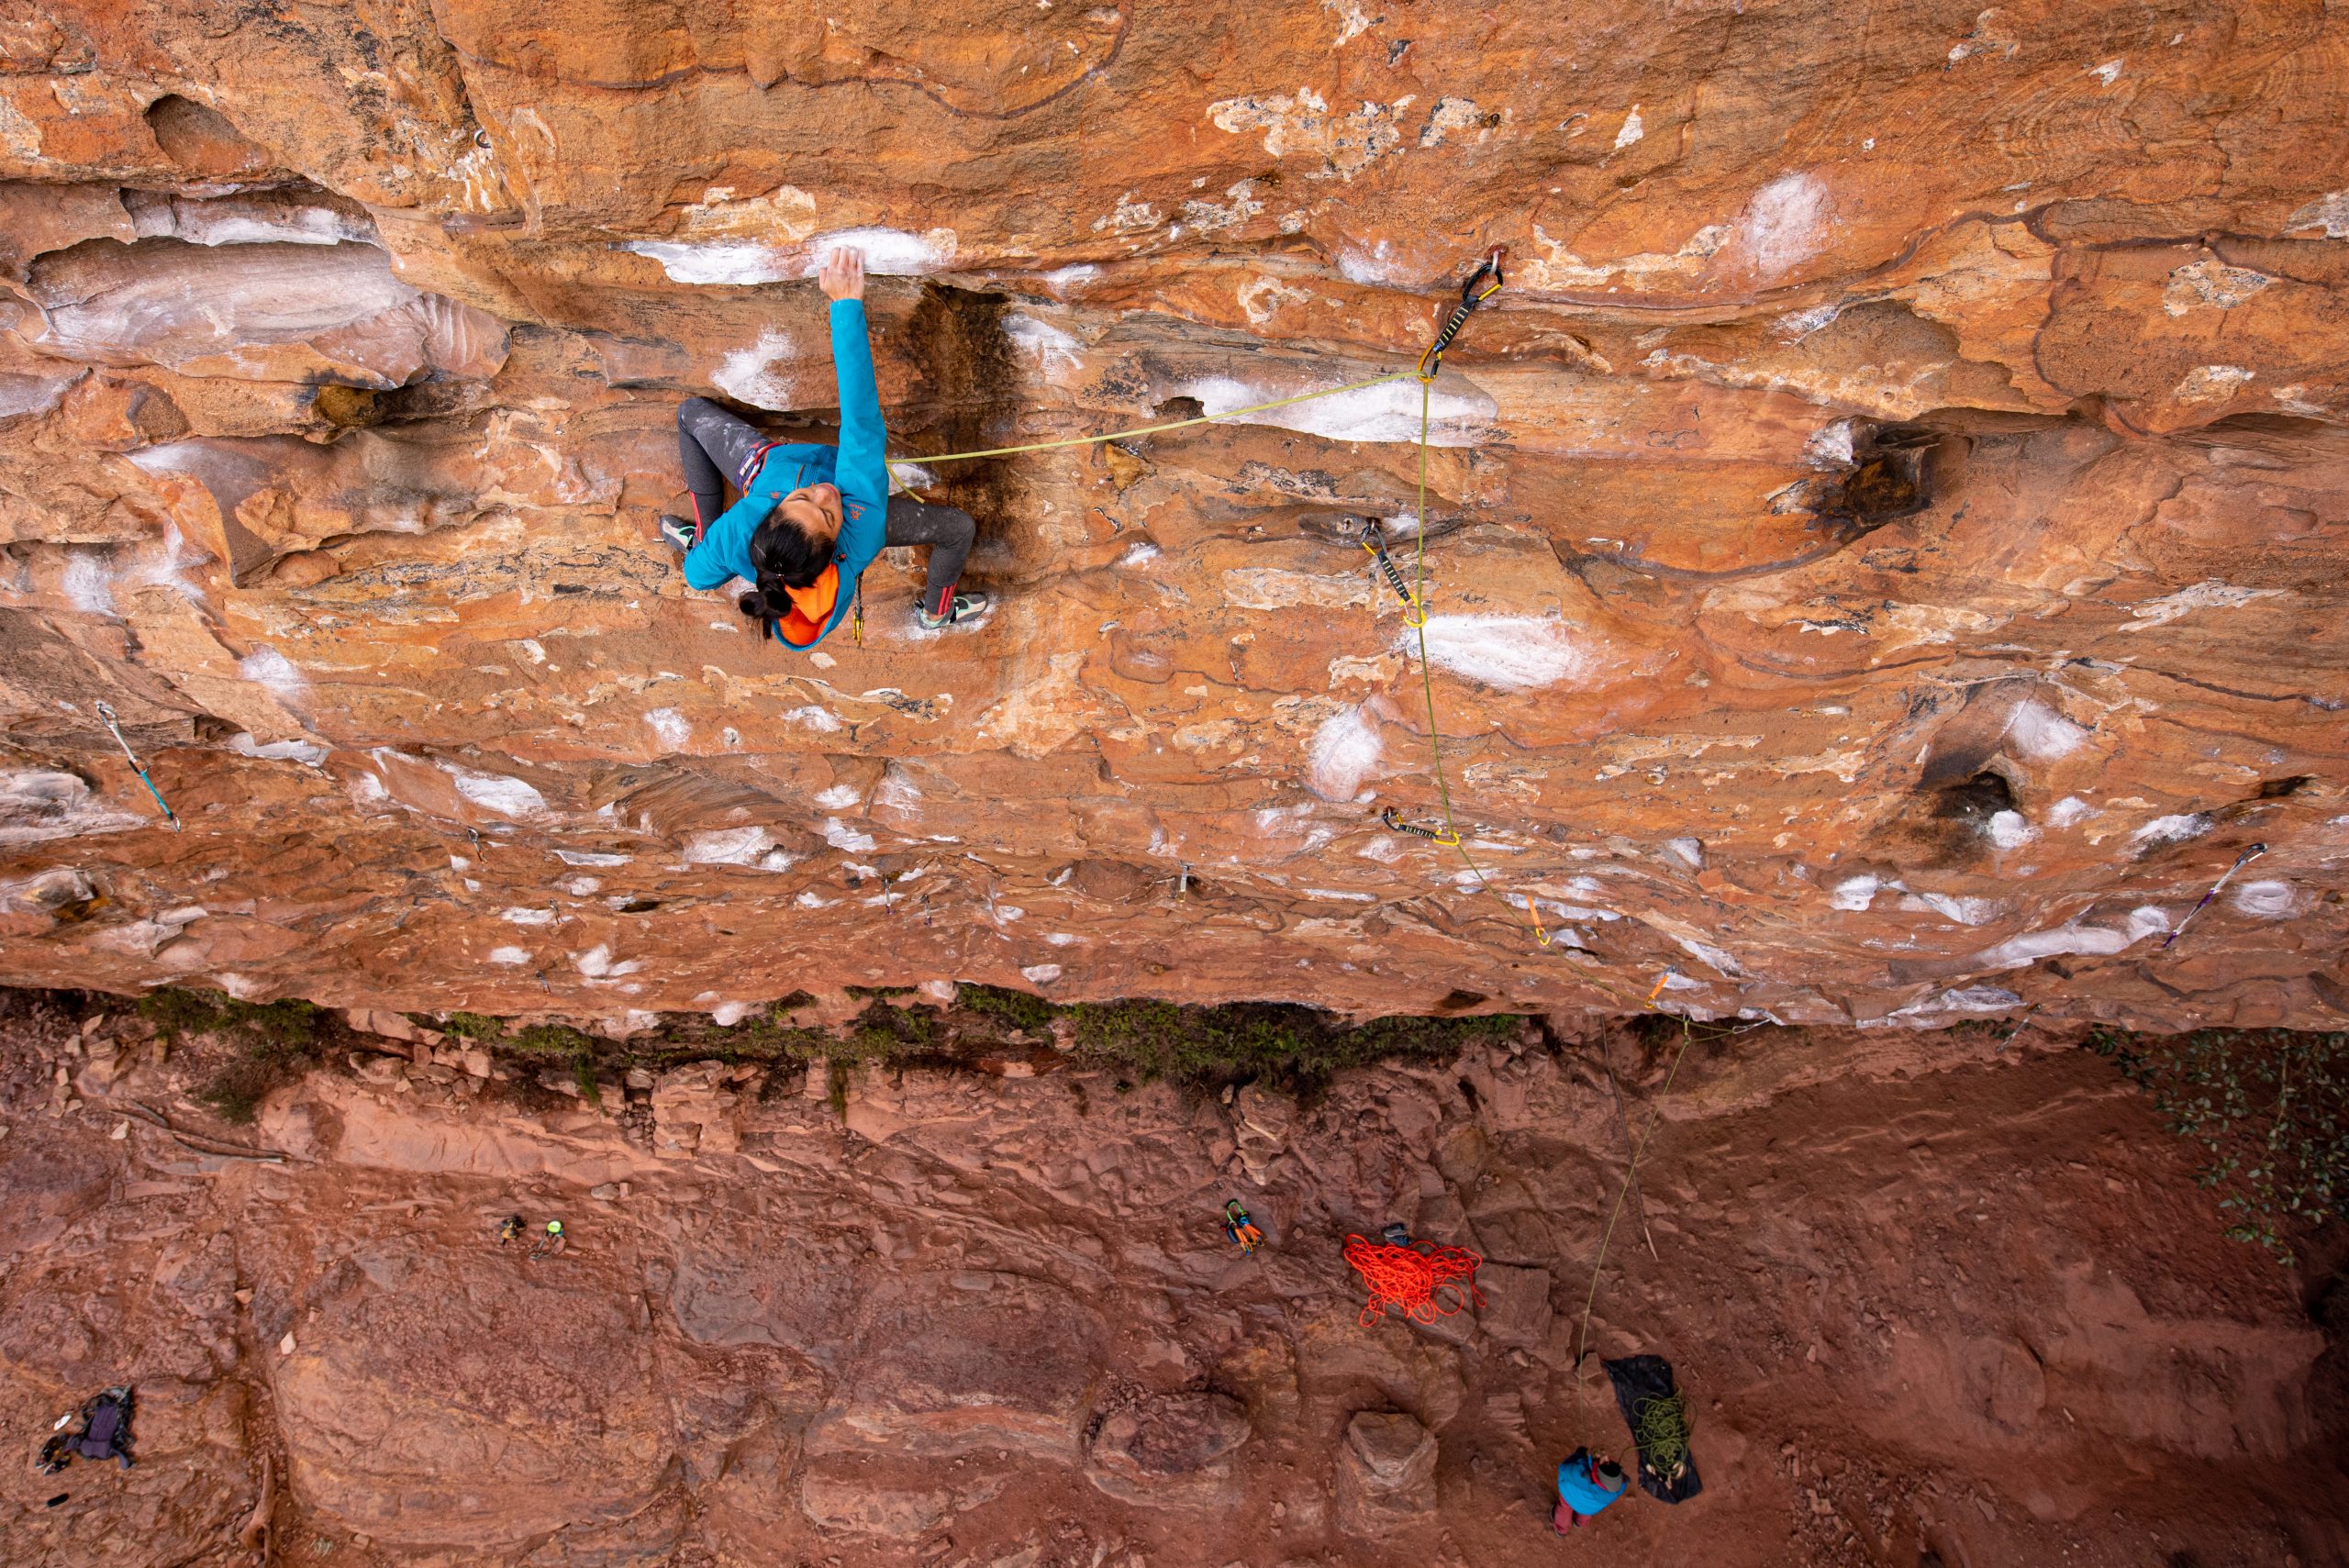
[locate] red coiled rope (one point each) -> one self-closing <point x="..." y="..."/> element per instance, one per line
<point x="1410" y="1279"/>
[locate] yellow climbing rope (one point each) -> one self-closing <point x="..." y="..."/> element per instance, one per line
<point x="1431" y="361"/>
<point x="1451" y="837"/>
<point x="1630" y="1174"/>
<point x="1415" y="607"/>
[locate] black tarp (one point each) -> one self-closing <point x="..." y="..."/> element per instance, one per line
<point x="1638" y="1380"/>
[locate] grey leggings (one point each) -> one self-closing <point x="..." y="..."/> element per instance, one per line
<point x="717" y="446"/>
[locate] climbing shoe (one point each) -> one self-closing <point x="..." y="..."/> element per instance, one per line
<point x="969" y="604"/>
<point x="681" y="534"/>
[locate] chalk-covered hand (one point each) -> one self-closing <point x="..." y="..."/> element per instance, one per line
<point x="843" y="273"/>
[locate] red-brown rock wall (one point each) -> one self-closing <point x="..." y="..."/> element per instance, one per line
<point x="1958" y="1298"/>
<point x="1901" y="496"/>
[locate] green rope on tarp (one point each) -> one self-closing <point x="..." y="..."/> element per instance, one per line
<point x="1662" y="1433"/>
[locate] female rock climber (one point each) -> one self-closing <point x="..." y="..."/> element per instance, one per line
<point x="1587" y="1484"/>
<point x="812" y="517"/>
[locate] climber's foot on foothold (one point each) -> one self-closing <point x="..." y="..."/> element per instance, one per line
<point x="681" y="534"/>
<point x="968" y="605"/>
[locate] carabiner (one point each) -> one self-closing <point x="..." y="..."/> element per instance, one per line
<point x="1415" y="614"/>
<point x="1470" y="298"/>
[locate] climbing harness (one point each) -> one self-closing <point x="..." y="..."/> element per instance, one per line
<point x="107" y="716"/>
<point x="2242" y="861"/>
<point x="1470" y="298"/>
<point x="1422" y="1281"/>
<point x="1241" y="1230"/>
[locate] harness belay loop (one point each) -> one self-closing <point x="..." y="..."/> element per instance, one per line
<point x="1471" y="297"/>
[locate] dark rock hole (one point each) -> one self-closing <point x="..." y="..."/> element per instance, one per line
<point x="1978" y="799"/>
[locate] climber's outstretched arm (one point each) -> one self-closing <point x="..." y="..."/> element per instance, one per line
<point x="862" y="476"/>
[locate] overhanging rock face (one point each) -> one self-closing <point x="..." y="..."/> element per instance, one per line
<point x="1892" y="521"/>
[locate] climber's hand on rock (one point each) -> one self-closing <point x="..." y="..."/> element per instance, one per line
<point x="843" y="273"/>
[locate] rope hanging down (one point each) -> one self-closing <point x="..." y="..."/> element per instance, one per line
<point x="1421" y="1284"/>
<point x="1630" y="1174"/>
<point x="1473" y="293"/>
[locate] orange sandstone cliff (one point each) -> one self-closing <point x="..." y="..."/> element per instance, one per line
<point x="1901" y="499"/>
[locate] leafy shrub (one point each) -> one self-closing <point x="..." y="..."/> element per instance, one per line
<point x="175" y="1013"/>
<point x="291" y="1025"/>
<point x="2270" y="1108"/>
<point x="552" y="1040"/>
<point x="272" y="1042"/>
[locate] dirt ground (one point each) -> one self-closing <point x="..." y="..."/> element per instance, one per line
<point x="1932" y="1300"/>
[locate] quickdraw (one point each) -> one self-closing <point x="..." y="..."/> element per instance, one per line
<point x="1470" y="298"/>
<point x="1415" y="614"/>
<point x="2242" y="861"/>
<point x="107" y="716"/>
<point x="1448" y="836"/>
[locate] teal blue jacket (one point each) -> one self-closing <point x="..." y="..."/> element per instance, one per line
<point x="855" y="466"/>
<point x="1582" y="1489"/>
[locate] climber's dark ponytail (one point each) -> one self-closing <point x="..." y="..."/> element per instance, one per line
<point x="765" y="601"/>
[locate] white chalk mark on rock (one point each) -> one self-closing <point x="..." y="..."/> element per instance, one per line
<point x="1343" y="754"/>
<point x="1512" y="653"/>
<point x="2209" y="594"/>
